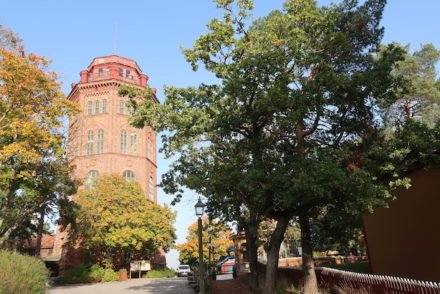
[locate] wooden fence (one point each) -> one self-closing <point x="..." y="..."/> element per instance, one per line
<point x="338" y="282"/>
<point x="356" y="283"/>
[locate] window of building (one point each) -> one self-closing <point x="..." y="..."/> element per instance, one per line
<point x="100" y="72"/>
<point x="89" y="142"/>
<point x="127" y="74"/>
<point x="97" y="108"/>
<point x="130" y="110"/>
<point x="128" y="175"/>
<point x="121" y="72"/>
<point x="121" y="106"/>
<point x="150" y="150"/>
<point x="123" y="141"/>
<point x="100" y="142"/>
<point x="133" y="142"/>
<point x="104" y="106"/>
<point x="89" y="107"/>
<point x="151" y="189"/>
<point x="91" y="179"/>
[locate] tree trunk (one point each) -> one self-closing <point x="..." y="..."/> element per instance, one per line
<point x="4" y="235"/>
<point x="273" y="254"/>
<point x="310" y="281"/>
<point x="40" y="231"/>
<point x="251" y="251"/>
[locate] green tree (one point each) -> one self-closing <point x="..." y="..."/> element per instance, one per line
<point x="32" y="107"/>
<point x="117" y="222"/>
<point x="289" y="123"/>
<point x="420" y="96"/>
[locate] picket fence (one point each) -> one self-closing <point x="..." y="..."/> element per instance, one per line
<point x="338" y="281"/>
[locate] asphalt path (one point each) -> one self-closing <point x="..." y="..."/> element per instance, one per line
<point x="133" y="286"/>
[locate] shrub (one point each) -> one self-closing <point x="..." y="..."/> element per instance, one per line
<point x="95" y="274"/>
<point x="76" y="275"/>
<point x="160" y="273"/>
<point x="88" y="274"/>
<point x="110" y="275"/>
<point x="22" y="274"/>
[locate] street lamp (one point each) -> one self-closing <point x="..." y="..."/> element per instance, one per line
<point x="199" y="207"/>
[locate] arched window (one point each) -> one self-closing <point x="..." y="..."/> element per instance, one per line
<point x="104" y="106"/>
<point x="97" y="107"/>
<point x="128" y="175"/>
<point x="123" y="142"/>
<point x="90" y="108"/>
<point x="100" y="142"/>
<point x="151" y="189"/>
<point x="89" y="142"/>
<point x="91" y="179"/>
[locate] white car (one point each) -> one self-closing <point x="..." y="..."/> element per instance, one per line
<point x="183" y="270"/>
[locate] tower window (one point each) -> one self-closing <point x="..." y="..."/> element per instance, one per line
<point x="104" y="106"/>
<point x="89" y="107"/>
<point x="100" y="143"/>
<point x="97" y="108"/>
<point x="128" y="175"/>
<point x="91" y="179"/>
<point x="150" y="149"/>
<point x="89" y="142"/>
<point x="123" y="142"/>
<point x="133" y="142"/>
<point x="121" y="106"/>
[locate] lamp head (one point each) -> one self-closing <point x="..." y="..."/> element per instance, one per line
<point x="199" y="207"/>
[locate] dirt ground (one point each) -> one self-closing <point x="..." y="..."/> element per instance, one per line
<point x="235" y="286"/>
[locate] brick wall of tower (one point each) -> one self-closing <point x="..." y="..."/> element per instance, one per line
<point x="98" y="83"/>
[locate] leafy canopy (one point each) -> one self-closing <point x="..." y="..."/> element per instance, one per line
<point x="116" y="217"/>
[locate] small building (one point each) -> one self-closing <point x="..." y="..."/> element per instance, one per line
<point x="403" y="240"/>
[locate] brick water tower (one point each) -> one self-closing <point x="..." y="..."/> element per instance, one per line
<point x="101" y="140"/>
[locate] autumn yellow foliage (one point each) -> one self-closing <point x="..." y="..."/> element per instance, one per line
<point x="214" y="233"/>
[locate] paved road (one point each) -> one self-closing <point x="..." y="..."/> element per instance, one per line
<point x="133" y="286"/>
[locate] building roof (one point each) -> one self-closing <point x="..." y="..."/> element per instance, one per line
<point x="114" y="59"/>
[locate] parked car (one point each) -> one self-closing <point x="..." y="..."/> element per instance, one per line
<point x="183" y="270"/>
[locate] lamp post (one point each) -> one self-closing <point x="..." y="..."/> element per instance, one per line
<point x="199" y="213"/>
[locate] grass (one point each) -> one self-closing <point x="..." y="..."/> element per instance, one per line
<point x="357" y="267"/>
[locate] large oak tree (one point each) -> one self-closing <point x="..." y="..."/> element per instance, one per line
<point x="286" y="130"/>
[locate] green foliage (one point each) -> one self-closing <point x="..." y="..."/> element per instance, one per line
<point x="77" y="275"/>
<point x="289" y="128"/>
<point x="95" y="273"/>
<point x="319" y="254"/>
<point x="160" y="273"/>
<point x="117" y="222"/>
<point x="88" y="274"/>
<point x="419" y="97"/>
<point x="109" y="275"/>
<point x="22" y="274"/>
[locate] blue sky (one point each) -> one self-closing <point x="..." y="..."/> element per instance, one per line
<point x="72" y="33"/>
